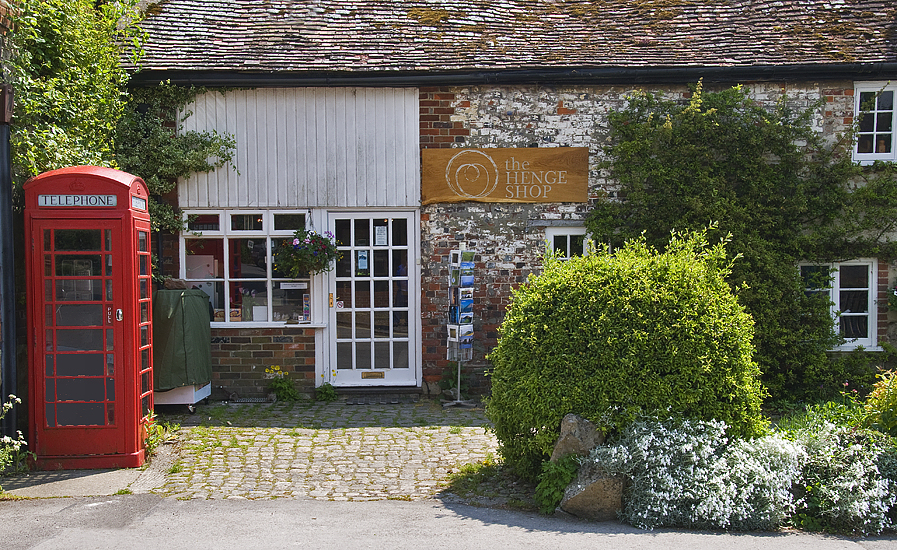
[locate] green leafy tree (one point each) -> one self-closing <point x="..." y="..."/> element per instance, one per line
<point x="784" y="193"/>
<point x="65" y="66"/>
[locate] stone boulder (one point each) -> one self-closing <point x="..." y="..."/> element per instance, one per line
<point x="578" y="436"/>
<point x="594" y="495"/>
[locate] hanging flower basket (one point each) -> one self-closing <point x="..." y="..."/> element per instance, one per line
<point x="306" y="254"/>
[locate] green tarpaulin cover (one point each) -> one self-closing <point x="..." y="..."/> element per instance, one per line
<point x="182" y="339"/>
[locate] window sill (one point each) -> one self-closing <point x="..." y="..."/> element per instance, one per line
<point x="307" y="324"/>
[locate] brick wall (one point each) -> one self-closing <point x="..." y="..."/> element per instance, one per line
<point x="241" y="355"/>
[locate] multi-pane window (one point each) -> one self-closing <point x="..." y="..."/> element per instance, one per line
<point x="875" y="110"/>
<point x="850" y="287"/>
<point x="566" y="242"/>
<point x="229" y="255"/>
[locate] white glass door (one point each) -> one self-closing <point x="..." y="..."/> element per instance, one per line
<point x="374" y="300"/>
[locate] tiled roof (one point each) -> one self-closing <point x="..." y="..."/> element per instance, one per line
<point x="465" y="35"/>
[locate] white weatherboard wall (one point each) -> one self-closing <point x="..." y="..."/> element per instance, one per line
<point x="310" y="147"/>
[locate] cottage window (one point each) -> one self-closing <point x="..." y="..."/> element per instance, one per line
<point x="875" y="108"/>
<point x="229" y="255"/>
<point x="850" y="287"/>
<point x="567" y="242"/>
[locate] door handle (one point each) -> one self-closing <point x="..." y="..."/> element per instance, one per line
<point x="119" y="315"/>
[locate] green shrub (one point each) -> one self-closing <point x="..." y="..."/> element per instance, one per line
<point x="614" y="336"/>
<point x="881" y="405"/>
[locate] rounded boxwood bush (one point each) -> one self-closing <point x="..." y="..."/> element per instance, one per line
<point x="612" y="336"/>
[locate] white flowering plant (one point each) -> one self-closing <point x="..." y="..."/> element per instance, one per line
<point x="13" y="456"/>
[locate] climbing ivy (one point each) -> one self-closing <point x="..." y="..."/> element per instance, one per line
<point x="152" y="143"/>
<point x="782" y="190"/>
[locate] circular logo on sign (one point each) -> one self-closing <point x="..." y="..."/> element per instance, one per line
<point x="472" y="174"/>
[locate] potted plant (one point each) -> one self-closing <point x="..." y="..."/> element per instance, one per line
<point x="307" y="253"/>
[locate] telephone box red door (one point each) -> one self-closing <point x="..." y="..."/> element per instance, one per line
<point x="89" y="276"/>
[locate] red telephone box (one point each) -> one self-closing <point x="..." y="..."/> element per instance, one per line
<point x="89" y="317"/>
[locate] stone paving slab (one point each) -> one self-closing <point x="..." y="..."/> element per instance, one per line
<point x="328" y="451"/>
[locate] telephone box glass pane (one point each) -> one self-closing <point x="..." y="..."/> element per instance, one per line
<point x="144" y="312"/>
<point x="145" y="405"/>
<point x="48" y="315"/>
<point x="108" y="240"/>
<point x="145" y="382"/>
<point x="144" y="289"/>
<point x="48" y="240"/>
<point x="110" y="389"/>
<point x="79" y="315"/>
<point x="48" y="364"/>
<point x="50" y="389"/>
<point x="51" y="415"/>
<point x="110" y="364"/>
<point x="110" y="413"/>
<point x="109" y="290"/>
<point x="110" y="339"/>
<point x="80" y="414"/>
<point x="79" y="290"/>
<point x="142" y="241"/>
<point x="78" y="265"/>
<point x="79" y="340"/>
<point x="48" y="266"/>
<point x="80" y="364"/>
<point x="143" y="260"/>
<point x="80" y="389"/>
<point x="78" y="239"/>
<point x="144" y="336"/>
<point x="144" y="359"/>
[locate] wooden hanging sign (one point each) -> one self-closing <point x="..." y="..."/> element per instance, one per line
<point x="556" y="174"/>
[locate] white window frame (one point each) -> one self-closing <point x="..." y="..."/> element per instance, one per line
<point x="834" y="295"/>
<point x="861" y="88"/>
<point x="551" y="232"/>
<point x="225" y="233"/>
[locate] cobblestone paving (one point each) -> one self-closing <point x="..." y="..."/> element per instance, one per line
<point x="331" y="451"/>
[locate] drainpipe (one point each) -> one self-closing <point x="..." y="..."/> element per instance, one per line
<point x="7" y="266"/>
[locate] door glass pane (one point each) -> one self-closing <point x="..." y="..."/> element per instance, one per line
<point x="381" y="293"/>
<point x="344" y="293"/>
<point x="363" y="355"/>
<point x="362" y="263"/>
<point x="48" y="364"/>
<point x="110" y="413"/>
<point x="78" y="239"/>
<point x="48" y="315"/>
<point x="344" y="355"/>
<point x="110" y="339"/>
<point x="79" y="315"/>
<point x="344" y="232"/>
<point x="79" y="340"/>
<point x="362" y="294"/>
<point x="344" y="266"/>
<point x="50" y="389"/>
<point x="400" y="232"/>
<point x="108" y="290"/>
<point x="48" y="266"/>
<point x="110" y="364"/>
<point x="381" y="263"/>
<point x="362" y="233"/>
<point x="363" y="324"/>
<point x="80" y="389"/>
<point x="110" y="389"/>
<point x="381" y="355"/>
<point x="400" y="324"/>
<point x="344" y="324"/>
<point x="381" y="324"/>
<point x="400" y="355"/>
<point x="80" y="414"/>
<point x="51" y="415"/>
<point x="80" y="364"/>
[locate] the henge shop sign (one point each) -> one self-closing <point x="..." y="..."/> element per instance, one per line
<point x="557" y="174"/>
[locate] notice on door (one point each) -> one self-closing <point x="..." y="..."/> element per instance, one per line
<point x="556" y="174"/>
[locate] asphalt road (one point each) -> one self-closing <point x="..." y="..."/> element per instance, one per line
<point x="151" y="522"/>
